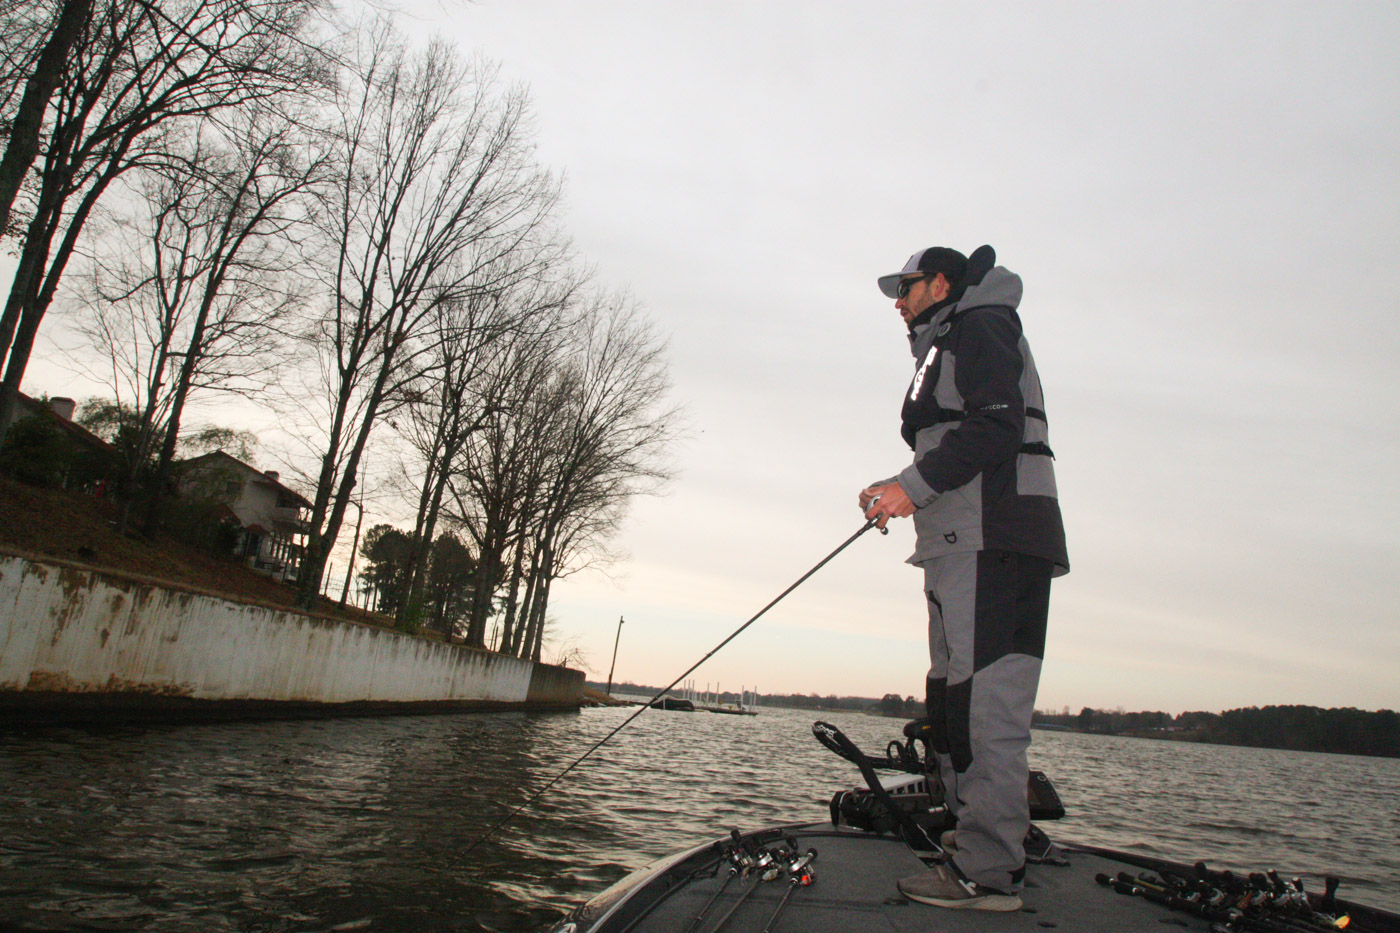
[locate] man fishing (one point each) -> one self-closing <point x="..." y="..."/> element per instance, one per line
<point x="981" y="489"/>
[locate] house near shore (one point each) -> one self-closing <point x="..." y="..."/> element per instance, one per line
<point x="46" y="447"/>
<point x="271" y="518"/>
<point x="59" y="412"/>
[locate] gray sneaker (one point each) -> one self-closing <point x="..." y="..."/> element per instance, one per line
<point x="944" y="886"/>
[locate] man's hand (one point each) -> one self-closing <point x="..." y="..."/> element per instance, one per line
<point x="885" y="502"/>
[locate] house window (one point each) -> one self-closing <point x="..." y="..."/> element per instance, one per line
<point x="233" y="487"/>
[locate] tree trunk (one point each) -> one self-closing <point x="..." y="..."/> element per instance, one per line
<point x="32" y="309"/>
<point x="313" y="560"/>
<point x="481" y="599"/>
<point x="423" y="543"/>
<point x="355" y="546"/>
<point x="517" y="571"/>
<point x="144" y="435"/>
<point x="540" y="605"/>
<point x="525" y="631"/>
<point x="312" y="585"/>
<point x="27" y="126"/>
<point x="423" y="527"/>
<point x="23" y="288"/>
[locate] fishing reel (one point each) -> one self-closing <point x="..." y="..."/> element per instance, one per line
<point x="762" y="865"/>
<point x="1263" y="902"/>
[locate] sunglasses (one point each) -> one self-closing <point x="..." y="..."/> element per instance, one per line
<point x="902" y="290"/>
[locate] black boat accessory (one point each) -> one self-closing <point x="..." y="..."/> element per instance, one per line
<point x="919" y="796"/>
<point x="917" y="836"/>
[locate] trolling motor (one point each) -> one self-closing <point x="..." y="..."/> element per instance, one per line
<point x="917" y="818"/>
<point x="911" y="804"/>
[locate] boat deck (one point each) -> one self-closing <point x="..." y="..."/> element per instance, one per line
<point x="855" y="891"/>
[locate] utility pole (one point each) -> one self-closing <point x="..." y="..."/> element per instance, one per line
<point x="614" y="660"/>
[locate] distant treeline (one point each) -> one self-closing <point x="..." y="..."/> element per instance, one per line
<point x="812" y="701"/>
<point x="1301" y="728"/>
<point x="784" y="700"/>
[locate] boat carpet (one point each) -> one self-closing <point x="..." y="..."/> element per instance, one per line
<point x="855" y="891"/>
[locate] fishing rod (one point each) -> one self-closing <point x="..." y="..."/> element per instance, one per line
<point x="741" y="861"/>
<point x="664" y="690"/>
<point x="1263" y="904"/>
<point x="800" y="874"/>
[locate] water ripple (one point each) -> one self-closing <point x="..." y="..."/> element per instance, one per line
<point x="345" y="825"/>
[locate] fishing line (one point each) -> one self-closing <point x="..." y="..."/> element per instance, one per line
<point x="735" y="634"/>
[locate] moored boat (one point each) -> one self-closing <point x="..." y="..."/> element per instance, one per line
<point x="673" y="703"/>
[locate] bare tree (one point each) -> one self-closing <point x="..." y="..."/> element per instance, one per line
<point x="199" y="299"/>
<point x="45" y="70"/>
<point x="136" y="71"/>
<point x="473" y="377"/>
<point x="569" y="653"/>
<point x="547" y="481"/>
<point x="581" y="540"/>
<point x="435" y="184"/>
<point x="614" y="436"/>
<point x="495" y="489"/>
<point x="236" y="237"/>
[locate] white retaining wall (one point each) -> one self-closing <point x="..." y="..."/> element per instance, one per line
<point x="68" y="630"/>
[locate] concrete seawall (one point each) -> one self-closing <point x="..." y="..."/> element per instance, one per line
<point x="79" y="643"/>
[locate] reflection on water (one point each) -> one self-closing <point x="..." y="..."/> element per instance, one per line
<point x="363" y="824"/>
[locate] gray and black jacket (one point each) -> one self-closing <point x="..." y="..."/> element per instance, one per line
<point x="983" y="476"/>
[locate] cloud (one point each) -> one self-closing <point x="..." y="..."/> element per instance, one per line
<point x="1203" y="200"/>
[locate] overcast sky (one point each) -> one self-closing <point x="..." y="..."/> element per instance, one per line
<point x="1204" y="203"/>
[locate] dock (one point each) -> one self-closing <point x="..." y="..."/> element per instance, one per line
<point x="689" y="700"/>
<point x="729" y="710"/>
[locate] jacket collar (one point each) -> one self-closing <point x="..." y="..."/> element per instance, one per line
<point x="924" y="329"/>
<point x="933" y="310"/>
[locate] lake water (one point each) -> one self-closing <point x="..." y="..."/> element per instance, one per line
<point x="362" y="824"/>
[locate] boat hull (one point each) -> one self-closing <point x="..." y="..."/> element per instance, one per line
<point x="855" y="889"/>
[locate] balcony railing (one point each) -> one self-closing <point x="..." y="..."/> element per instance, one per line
<point x="290" y="520"/>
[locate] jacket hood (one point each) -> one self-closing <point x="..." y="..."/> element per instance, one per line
<point x="1000" y="287"/>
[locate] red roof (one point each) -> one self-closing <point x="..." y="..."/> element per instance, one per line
<point x="33" y="407"/>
